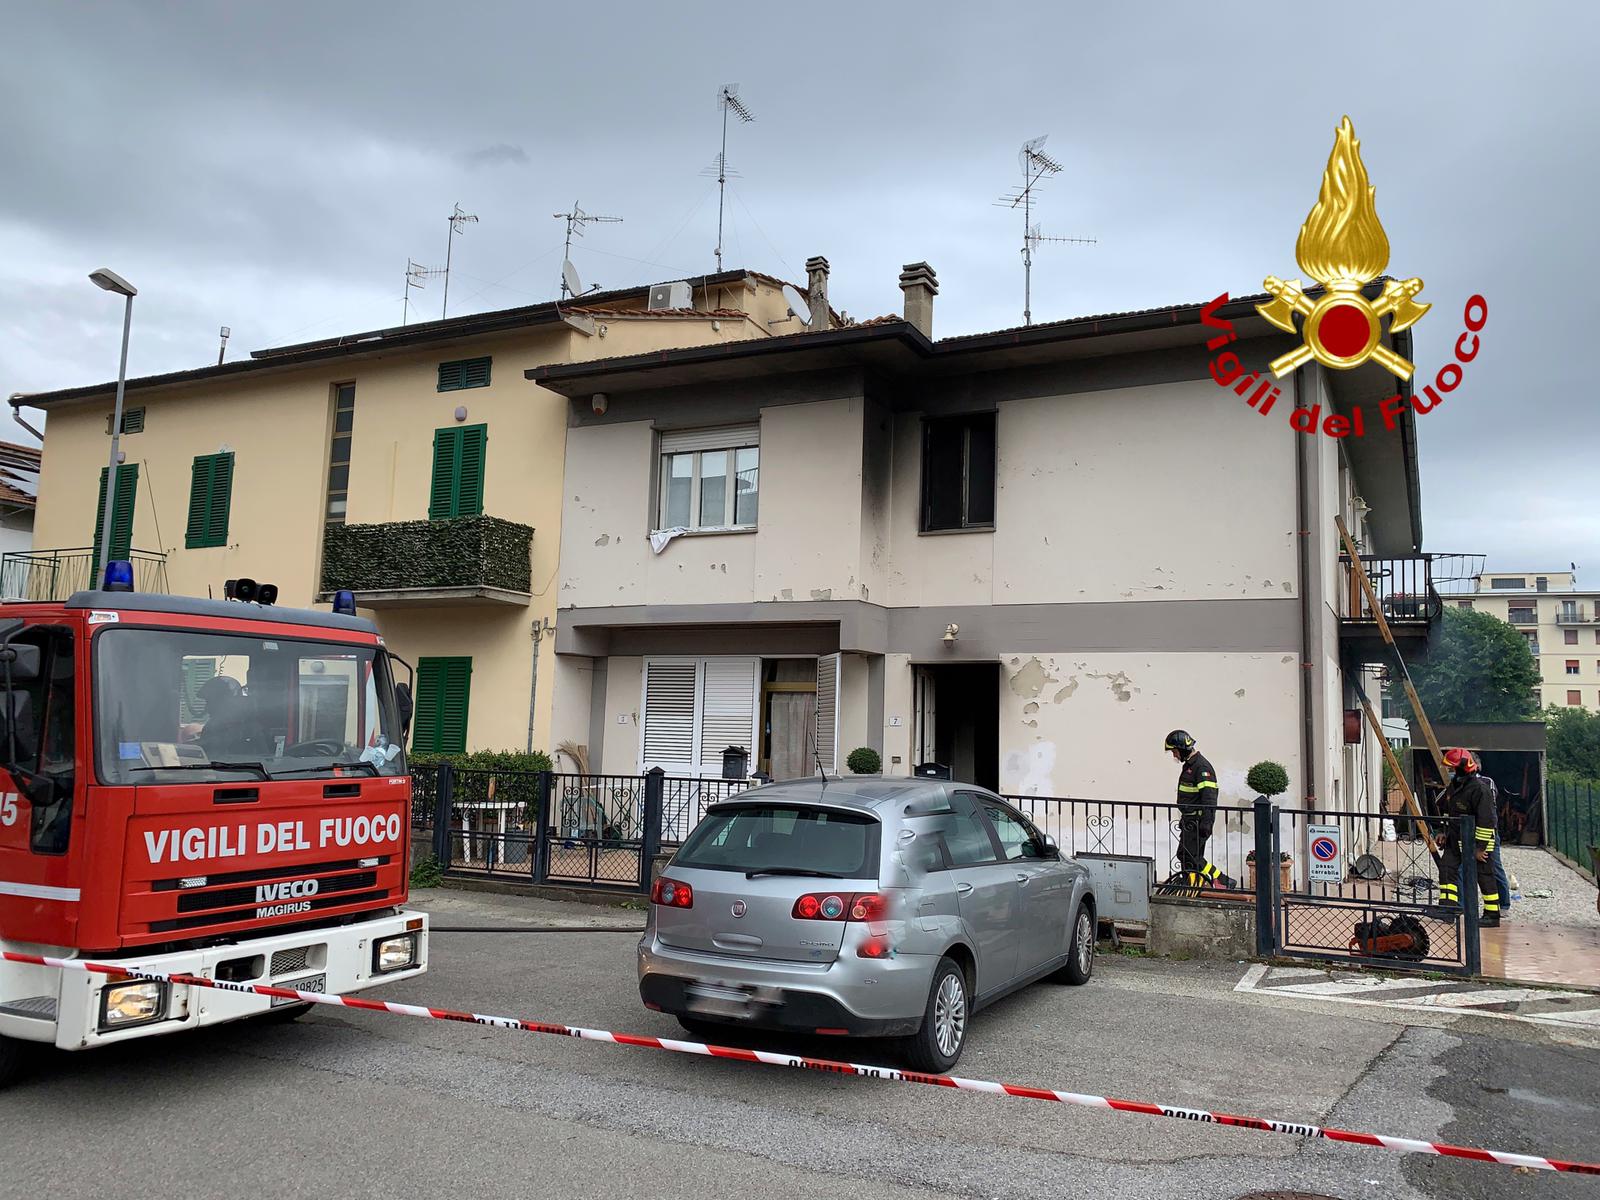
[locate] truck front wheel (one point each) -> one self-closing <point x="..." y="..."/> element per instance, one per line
<point x="15" y="1058"/>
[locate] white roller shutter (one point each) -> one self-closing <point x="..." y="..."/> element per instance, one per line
<point x="730" y="688"/>
<point x="670" y="687"/>
<point x="680" y="441"/>
<point x="828" y="711"/>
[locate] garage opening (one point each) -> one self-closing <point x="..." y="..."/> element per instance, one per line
<point x="958" y="720"/>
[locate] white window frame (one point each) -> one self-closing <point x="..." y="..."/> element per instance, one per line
<point x="697" y="444"/>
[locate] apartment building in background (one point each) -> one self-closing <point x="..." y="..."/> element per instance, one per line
<point x="415" y="466"/>
<point x="1023" y="555"/>
<point x="1559" y="620"/>
<point x="19" y="497"/>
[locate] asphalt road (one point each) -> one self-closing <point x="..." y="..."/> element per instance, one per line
<point x="363" y="1104"/>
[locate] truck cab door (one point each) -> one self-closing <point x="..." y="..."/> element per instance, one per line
<point x="38" y="755"/>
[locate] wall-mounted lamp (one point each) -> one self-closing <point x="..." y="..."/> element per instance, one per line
<point x="461" y="412"/>
<point x="950" y="631"/>
<point x="599" y="403"/>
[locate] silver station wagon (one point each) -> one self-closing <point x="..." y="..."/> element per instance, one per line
<point x="865" y="907"/>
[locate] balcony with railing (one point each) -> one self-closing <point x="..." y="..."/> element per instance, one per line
<point x="1522" y="615"/>
<point x="1573" y="614"/>
<point x="56" y="574"/>
<point x="1406" y="598"/>
<point x="463" y="560"/>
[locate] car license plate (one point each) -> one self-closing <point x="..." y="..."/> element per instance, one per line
<point x="311" y="983"/>
<point x="718" y="999"/>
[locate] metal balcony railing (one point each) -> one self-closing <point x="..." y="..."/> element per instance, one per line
<point x="1404" y="588"/>
<point x="56" y="574"/>
<point x="1572" y="616"/>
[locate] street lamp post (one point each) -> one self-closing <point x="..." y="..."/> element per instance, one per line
<point x="112" y="282"/>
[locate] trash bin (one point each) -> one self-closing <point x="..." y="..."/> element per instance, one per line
<point x="933" y="770"/>
<point x="735" y="762"/>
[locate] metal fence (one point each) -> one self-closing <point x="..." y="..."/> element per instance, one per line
<point x="1369" y="897"/>
<point x="56" y="574"/>
<point x="1152" y="831"/>
<point x="546" y="827"/>
<point x="1572" y="820"/>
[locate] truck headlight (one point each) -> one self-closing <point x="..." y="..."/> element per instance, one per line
<point x="138" y="1003"/>
<point x="394" y="953"/>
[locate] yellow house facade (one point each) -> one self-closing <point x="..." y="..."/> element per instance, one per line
<point x="415" y="466"/>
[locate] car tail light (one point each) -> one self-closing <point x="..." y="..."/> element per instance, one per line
<point x="670" y="893"/>
<point x="839" y="906"/>
<point x="873" y="947"/>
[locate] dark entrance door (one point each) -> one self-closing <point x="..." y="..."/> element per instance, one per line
<point x="958" y="720"/>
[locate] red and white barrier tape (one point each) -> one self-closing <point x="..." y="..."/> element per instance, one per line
<point x="1402" y="1145"/>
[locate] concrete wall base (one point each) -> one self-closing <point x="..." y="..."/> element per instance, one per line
<point x="1201" y="929"/>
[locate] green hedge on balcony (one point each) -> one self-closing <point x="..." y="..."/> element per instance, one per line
<point x="461" y="552"/>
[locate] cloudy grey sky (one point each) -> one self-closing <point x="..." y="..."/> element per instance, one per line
<point x="272" y="166"/>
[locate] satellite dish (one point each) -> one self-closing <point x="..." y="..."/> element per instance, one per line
<point x="797" y="303"/>
<point x="569" y="275"/>
<point x="1030" y="147"/>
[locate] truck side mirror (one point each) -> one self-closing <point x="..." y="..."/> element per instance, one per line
<point x="22" y="661"/>
<point x="403" y="703"/>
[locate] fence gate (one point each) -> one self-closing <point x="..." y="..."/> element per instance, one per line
<point x="1362" y="889"/>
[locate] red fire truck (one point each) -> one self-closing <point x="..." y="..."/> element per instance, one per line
<point x="208" y="787"/>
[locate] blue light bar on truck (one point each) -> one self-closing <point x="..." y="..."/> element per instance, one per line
<point x="344" y="603"/>
<point x="119" y="576"/>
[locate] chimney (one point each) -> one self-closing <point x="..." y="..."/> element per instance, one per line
<point x="920" y="285"/>
<point x="817" y="293"/>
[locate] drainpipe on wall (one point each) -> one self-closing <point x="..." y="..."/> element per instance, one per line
<point x="1304" y="447"/>
<point x="537" y="632"/>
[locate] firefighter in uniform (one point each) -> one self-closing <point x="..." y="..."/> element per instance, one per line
<point x="1468" y="796"/>
<point x="1197" y="802"/>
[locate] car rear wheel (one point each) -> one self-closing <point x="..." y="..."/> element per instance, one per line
<point x="1080" y="955"/>
<point x="938" y="1044"/>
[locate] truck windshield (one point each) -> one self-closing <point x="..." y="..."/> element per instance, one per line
<point x="195" y="706"/>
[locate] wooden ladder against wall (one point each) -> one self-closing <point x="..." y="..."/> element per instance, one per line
<point x="1360" y="573"/>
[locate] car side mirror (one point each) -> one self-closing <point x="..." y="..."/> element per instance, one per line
<point x="403" y="703"/>
<point x="1048" y="847"/>
<point x="22" y="661"/>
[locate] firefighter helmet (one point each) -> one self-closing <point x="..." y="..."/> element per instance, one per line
<point x="218" y="687"/>
<point x="1180" y="741"/>
<point x="1458" y="759"/>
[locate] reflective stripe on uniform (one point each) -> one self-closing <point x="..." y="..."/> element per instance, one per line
<point x="1195" y="787"/>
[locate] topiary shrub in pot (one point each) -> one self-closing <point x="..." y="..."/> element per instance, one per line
<point x="1269" y="779"/>
<point x="864" y="760"/>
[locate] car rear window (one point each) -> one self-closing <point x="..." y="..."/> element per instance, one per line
<point x="767" y="837"/>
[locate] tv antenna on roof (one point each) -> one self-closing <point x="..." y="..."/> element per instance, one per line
<point x="1036" y="167"/>
<point x="417" y="276"/>
<point x="728" y="102"/>
<point x="571" y="285"/>
<point x="457" y="220"/>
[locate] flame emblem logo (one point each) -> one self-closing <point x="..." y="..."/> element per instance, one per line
<point x="1343" y="247"/>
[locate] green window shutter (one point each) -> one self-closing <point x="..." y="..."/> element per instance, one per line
<point x="464" y="373"/>
<point x="458" y="463"/>
<point x="475" y="372"/>
<point x="469" y="486"/>
<point x="444" y="688"/>
<point x="121" y="517"/>
<point x="446" y="454"/>
<point x="210" y="491"/>
<point x="200" y="474"/>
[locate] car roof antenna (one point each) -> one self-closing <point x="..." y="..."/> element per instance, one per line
<point x="816" y="756"/>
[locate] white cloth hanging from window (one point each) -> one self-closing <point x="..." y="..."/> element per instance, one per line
<point x="659" y="538"/>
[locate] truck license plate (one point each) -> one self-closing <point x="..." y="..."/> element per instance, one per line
<point x="311" y="983"/>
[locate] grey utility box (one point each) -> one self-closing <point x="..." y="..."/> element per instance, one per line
<point x="1121" y="885"/>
